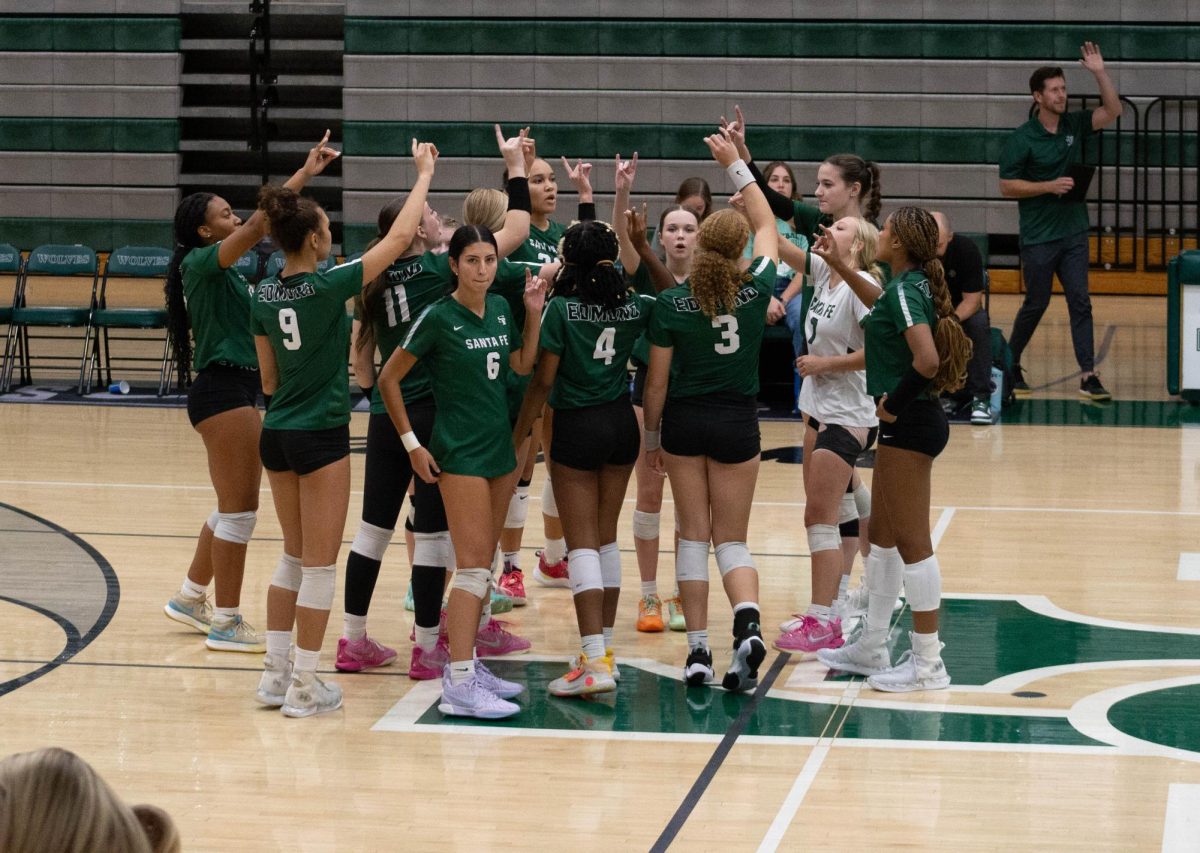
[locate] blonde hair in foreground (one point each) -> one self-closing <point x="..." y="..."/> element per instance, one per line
<point x="715" y="276"/>
<point x="485" y="206"/>
<point x="867" y="237"/>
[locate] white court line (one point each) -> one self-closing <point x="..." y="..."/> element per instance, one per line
<point x="1181" y="829"/>
<point x="1089" y="716"/>
<point x="1189" y="566"/>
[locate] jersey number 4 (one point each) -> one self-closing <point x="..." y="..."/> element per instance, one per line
<point x="730" y="341"/>
<point x="606" y="345"/>
<point x="290" y="326"/>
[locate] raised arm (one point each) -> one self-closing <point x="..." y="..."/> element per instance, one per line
<point x="522" y="360"/>
<point x="625" y="174"/>
<point x="580" y="177"/>
<point x="516" y="220"/>
<point x="766" y="236"/>
<point x="380" y="256"/>
<point x="780" y="204"/>
<point x="635" y="226"/>
<point x="1110" y="101"/>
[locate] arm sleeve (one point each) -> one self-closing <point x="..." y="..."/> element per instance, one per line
<point x="553" y="332"/>
<point x="781" y="205"/>
<point x="658" y="332"/>
<point x="587" y="211"/>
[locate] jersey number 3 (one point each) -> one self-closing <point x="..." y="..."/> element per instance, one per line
<point x="290" y="326"/>
<point x="730" y="341"/>
<point x="606" y="345"/>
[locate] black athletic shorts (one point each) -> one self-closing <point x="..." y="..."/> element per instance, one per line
<point x="637" y="388"/>
<point x="587" y="439"/>
<point x="921" y="427"/>
<point x="303" y="450"/>
<point x="722" y="426"/>
<point x="838" y="439"/>
<point x="220" y="387"/>
<point x="388" y="471"/>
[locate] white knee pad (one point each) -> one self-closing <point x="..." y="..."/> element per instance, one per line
<point x="610" y="565"/>
<point x="448" y="550"/>
<point x="371" y="541"/>
<point x="584" y="570"/>
<point x="429" y="549"/>
<point x="235" y="526"/>
<point x="888" y="574"/>
<point x="473" y="581"/>
<point x="862" y="500"/>
<point x="518" y="508"/>
<point x="645" y="524"/>
<point x="317" y="586"/>
<point x="823" y="537"/>
<point x="733" y="555"/>
<point x="923" y="584"/>
<point x="691" y="561"/>
<point x="287" y="573"/>
<point x="213" y="518"/>
<point x="847" y="509"/>
<point x="549" y="507"/>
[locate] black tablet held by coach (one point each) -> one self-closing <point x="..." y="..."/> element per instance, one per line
<point x="1082" y="176"/>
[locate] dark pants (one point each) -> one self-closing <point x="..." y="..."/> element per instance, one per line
<point x="1068" y="258"/>
<point x="979" y="368"/>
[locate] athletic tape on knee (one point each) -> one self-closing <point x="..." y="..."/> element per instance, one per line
<point x="287" y="573"/>
<point x="646" y="524"/>
<point x="923" y="584"/>
<point x="213" y="518"/>
<point x="371" y="541"/>
<point x="862" y="500"/>
<point x="448" y="549"/>
<point x="429" y="549"/>
<point x="549" y="507"/>
<point x="823" y="537"/>
<point x="317" y="587"/>
<point x="849" y="529"/>
<point x="584" y="570"/>
<point x="518" y="508"/>
<point x="235" y="526"/>
<point x="473" y="581"/>
<point x="733" y="555"/>
<point x="691" y="561"/>
<point x="610" y="565"/>
<point x="847" y="509"/>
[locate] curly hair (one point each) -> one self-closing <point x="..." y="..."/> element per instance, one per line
<point x="917" y="231"/>
<point x="588" y="250"/>
<point x="715" y="277"/>
<point x="292" y="216"/>
<point x="189" y="216"/>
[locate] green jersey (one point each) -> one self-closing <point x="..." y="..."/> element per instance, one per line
<point x="906" y="301"/>
<point x="1032" y="153"/>
<point x="413" y="284"/>
<point x="218" y="304"/>
<point x="714" y="354"/>
<point x="541" y="247"/>
<point x="593" y="345"/>
<point x="641" y="284"/>
<point x="467" y="357"/>
<point x="304" y="317"/>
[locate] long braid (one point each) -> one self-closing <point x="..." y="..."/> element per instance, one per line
<point x="715" y="277"/>
<point x="589" y="249"/>
<point x="189" y="216"/>
<point x="917" y="230"/>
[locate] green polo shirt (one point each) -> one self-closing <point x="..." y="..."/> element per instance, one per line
<point x="1031" y="153"/>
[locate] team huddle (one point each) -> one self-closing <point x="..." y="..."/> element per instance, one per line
<point x="621" y="357"/>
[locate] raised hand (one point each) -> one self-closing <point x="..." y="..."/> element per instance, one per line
<point x="580" y="177"/>
<point x="512" y="149"/>
<point x="535" y="293"/>
<point x="635" y="226"/>
<point x="737" y="132"/>
<point x="529" y="149"/>
<point x="424" y="154"/>
<point x="824" y="247"/>
<point x="1090" y="58"/>
<point x="722" y="148"/>
<point x="319" y="157"/>
<point x="626" y="172"/>
<point x="738" y="203"/>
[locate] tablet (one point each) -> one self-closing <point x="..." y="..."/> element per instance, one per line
<point x="1082" y="175"/>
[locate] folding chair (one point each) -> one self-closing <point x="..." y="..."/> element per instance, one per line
<point x="132" y="282"/>
<point x="57" y="289"/>
<point x="10" y="273"/>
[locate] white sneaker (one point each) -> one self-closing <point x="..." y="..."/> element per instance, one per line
<point x="308" y="695"/>
<point x="912" y="673"/>
<point x="274" y="684"/>
<point x="584" y="678"/>
<point x="856" y="658"/>
<point x="234" y="635"/>
<point x="748" y="654"/>
<point x="855" y="603"/>
<point x="491" y="682"/>
<point x="196" y="612"/>
<point x="470" y="699"/>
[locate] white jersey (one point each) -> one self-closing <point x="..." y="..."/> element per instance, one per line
<point x="832" y="328"/>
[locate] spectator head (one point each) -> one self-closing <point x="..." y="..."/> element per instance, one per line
<point x="782" y="179"/>
<point x="696" y="196"/>
<point x="945" y="233"/>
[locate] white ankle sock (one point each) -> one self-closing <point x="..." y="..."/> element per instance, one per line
<point x="697" y="638"/>
<point x="279" y="644"/>
<point x="192" y="590"/>
<point x="462" y="671"/>
<point x="926" y="646"/>
<point x="225" y="614"/>
<point x="593" y="646"/>
<point x="426" y="638"/>
<point x="843" y="587"/>
<point x="819" y="611"/>
<point x="511" y="559"/>
<point x="650" y="587"/>
<point x="608" y="635"/>
<point x="306" y="661"/>
<point x="354" y="627"/>
<point x="555" y="551"/>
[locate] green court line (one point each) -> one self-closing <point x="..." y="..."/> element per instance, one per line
<point x="1168" y="414"/>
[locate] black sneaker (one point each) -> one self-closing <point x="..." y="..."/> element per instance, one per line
<point x="748" y="653"/>
<point x="1021" y="388"/>
<point x="1091" y="388"/>
<point x="698" y="671"/>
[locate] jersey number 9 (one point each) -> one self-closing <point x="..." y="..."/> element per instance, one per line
<point x="493" y="365"/>
<point x="730" y="341"/>
<point x="290" y="326"/>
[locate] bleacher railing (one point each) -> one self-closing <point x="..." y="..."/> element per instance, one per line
<point x="1171" y="179"/>
<point x="263" y="94"/>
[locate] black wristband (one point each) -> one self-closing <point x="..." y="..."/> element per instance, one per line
<point x="587" y="211"/>
<point x="910" y="386"/>
<point x="366" y="392"/>
<point x="518" y="194"/>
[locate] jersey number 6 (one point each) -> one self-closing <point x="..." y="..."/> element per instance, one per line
<point x="290" y="326"/>
<point x="493" y="365"/>
<point x="730" y="341"/>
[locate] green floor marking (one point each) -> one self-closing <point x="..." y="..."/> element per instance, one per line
<point x="948" y="726"/>
<point x="1116" y="413"/>
<point x="1165" y="717"/>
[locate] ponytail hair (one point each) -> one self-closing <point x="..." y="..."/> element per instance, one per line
<point x="917" y="231"/>
<point x="292" y="216"/>
<point x="366" y="302"/>
<point x="589" y="250"/>
<point x="715" y="276"/>
<point x="189" y="216"/>
<point x="485" y="206"/>
<point x="865" y="173"/>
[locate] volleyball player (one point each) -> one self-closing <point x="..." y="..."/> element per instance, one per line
<point x="915" y="349"/>
<point x="588" y="332"/>
<point x="208" y="301"/>
<point x="677" y="227"/>
<point x="302" y="336"/>
<point x="469" y="345"/>
<point x="707" y="333"/>
<point x="840" y="423"/>
<point x="388" y="307"/>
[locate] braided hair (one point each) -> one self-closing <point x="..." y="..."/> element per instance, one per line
<point x="917" y="231"/>
<point x="189" y="216"/>
<point x="715" y="277"/>
<point x="588" y="250"/>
